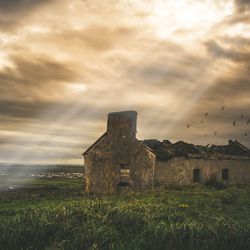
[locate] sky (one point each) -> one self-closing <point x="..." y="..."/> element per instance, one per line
<point x="64" y="65"/>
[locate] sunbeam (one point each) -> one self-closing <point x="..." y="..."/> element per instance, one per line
<point x="169" y="60"/>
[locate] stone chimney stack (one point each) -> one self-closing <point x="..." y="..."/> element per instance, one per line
<point x="122" y="120"/>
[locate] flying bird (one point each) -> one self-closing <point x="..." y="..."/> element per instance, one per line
<point x="245" y="134"/>
<point x="234" y="123"/>
<point x="206" y="114"/>
<point x="222" y="108"/>
<point x="188" y="126"/>
<point x="205" y="135"/>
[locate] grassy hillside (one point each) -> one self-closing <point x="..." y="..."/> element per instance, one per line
<point x="59" y="216"/>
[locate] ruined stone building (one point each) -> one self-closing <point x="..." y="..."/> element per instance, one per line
<point x="118" y="160"/>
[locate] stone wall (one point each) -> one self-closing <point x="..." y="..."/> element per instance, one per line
<point x="99" y="174"/>
<point x="180" y="171"/>
<point x="119" y="120"/>
<point x="105" y="160"/>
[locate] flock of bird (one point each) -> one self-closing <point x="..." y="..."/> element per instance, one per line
<point x="234" y="123"/>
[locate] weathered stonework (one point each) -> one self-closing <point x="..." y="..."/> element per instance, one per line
<point x="181" y="171"/>
<point x="118" y="161"/>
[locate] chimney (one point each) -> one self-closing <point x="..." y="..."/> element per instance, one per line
<point x="122" y="120"/>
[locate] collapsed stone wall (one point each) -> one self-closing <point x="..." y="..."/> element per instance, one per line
<point x="180" y="171"/>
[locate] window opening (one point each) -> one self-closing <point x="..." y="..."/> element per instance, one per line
<point x="196" y="175"/>
<point x="225" y="174"/>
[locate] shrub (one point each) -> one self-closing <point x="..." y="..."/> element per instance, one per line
<point x="213" y="182"/>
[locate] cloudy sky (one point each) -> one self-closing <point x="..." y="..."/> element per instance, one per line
<point x="65" y="64"/>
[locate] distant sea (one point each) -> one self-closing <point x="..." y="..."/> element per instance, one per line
<point x="11" y="174"/>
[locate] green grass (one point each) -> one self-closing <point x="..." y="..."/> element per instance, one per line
<point x="60" y="216"/>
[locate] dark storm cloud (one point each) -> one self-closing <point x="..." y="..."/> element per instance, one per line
<point x="231" y="90"/>
<point x="221" y="121"/>
<point x="230" y="54"/>
<point x="181" y="67"/>
<point x="237" y="41"/>
<point x="125" y="60"/>
<point x="242" y="5"/>
<point x="33" y="109"/>
<point x="229" y="114"/>
<point x="32" y="76"/>
<point x="15" y="6"/>
<point x="23" y="109"/>
<point x="9" y="25"/>
<point x="165" y="65"/>
<point x="28" y="89"/>
<point x="240" y="17"/>
<point x="236" y="84"/>
<point x="38" y="69"/>
<point x="236" y="19"/>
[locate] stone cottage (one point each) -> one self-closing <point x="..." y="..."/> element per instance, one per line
<point x="118" y="160"/>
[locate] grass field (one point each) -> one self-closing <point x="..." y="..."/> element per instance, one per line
<point x="55" y="214"/>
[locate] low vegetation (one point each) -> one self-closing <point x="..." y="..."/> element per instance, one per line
<point x="55" y="214"/>
<point x="215" y="183"/>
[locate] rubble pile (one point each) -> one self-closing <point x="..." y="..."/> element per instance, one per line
<point x="165" y="150"/>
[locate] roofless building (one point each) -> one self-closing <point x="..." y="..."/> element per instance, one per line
<point x="118" y="160"/>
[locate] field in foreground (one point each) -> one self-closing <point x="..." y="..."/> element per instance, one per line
<point x="55" y="214"/>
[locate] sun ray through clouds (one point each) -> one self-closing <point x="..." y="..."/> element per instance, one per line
<point x="60" y="75"/>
